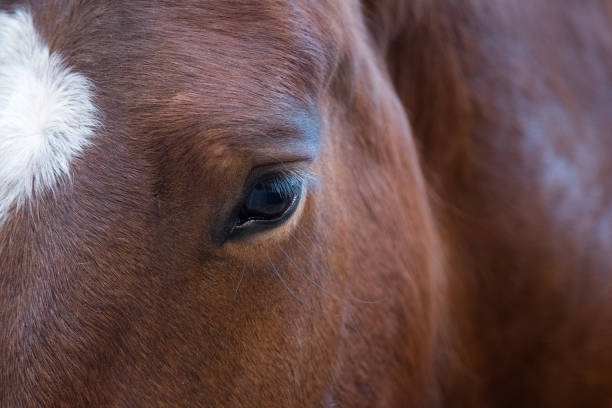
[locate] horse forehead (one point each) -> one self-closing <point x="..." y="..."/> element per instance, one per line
<point x="280" y="40"/>
<point x="208" y="63"/>
<point x="47" y="115"/>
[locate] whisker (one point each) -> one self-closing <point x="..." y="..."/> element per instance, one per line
<point x="239" y="282"/>
<point x="313" y="261"/>
<point x="282" y="280"/>
<point x="333" y="295"/>
<point x="316" y="264"/>
<point x="306" y="234"/>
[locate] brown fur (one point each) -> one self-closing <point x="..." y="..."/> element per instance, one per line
<point x="528" y="259"/>
<point x="115" y="292"/>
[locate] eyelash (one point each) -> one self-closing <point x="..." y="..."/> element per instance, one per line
<point x="285" y="180"/>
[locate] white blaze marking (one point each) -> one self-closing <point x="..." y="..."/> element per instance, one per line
<point x="47" y="115"/>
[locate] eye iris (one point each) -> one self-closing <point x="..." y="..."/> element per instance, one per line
<point x="268" y="200"/>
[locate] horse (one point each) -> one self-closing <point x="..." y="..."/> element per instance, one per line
<point x="295" y="203"/>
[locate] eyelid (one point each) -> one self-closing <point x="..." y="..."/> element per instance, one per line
<point x="285" y="182"/>
<point x="253" y="227"/>
<point x="299" y="177"/>
<point x="296" y="171"/>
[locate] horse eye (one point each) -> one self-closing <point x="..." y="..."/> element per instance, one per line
<point x="271" y="200"/>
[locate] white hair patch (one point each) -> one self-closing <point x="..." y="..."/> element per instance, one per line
<point x="47" y="114"/>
